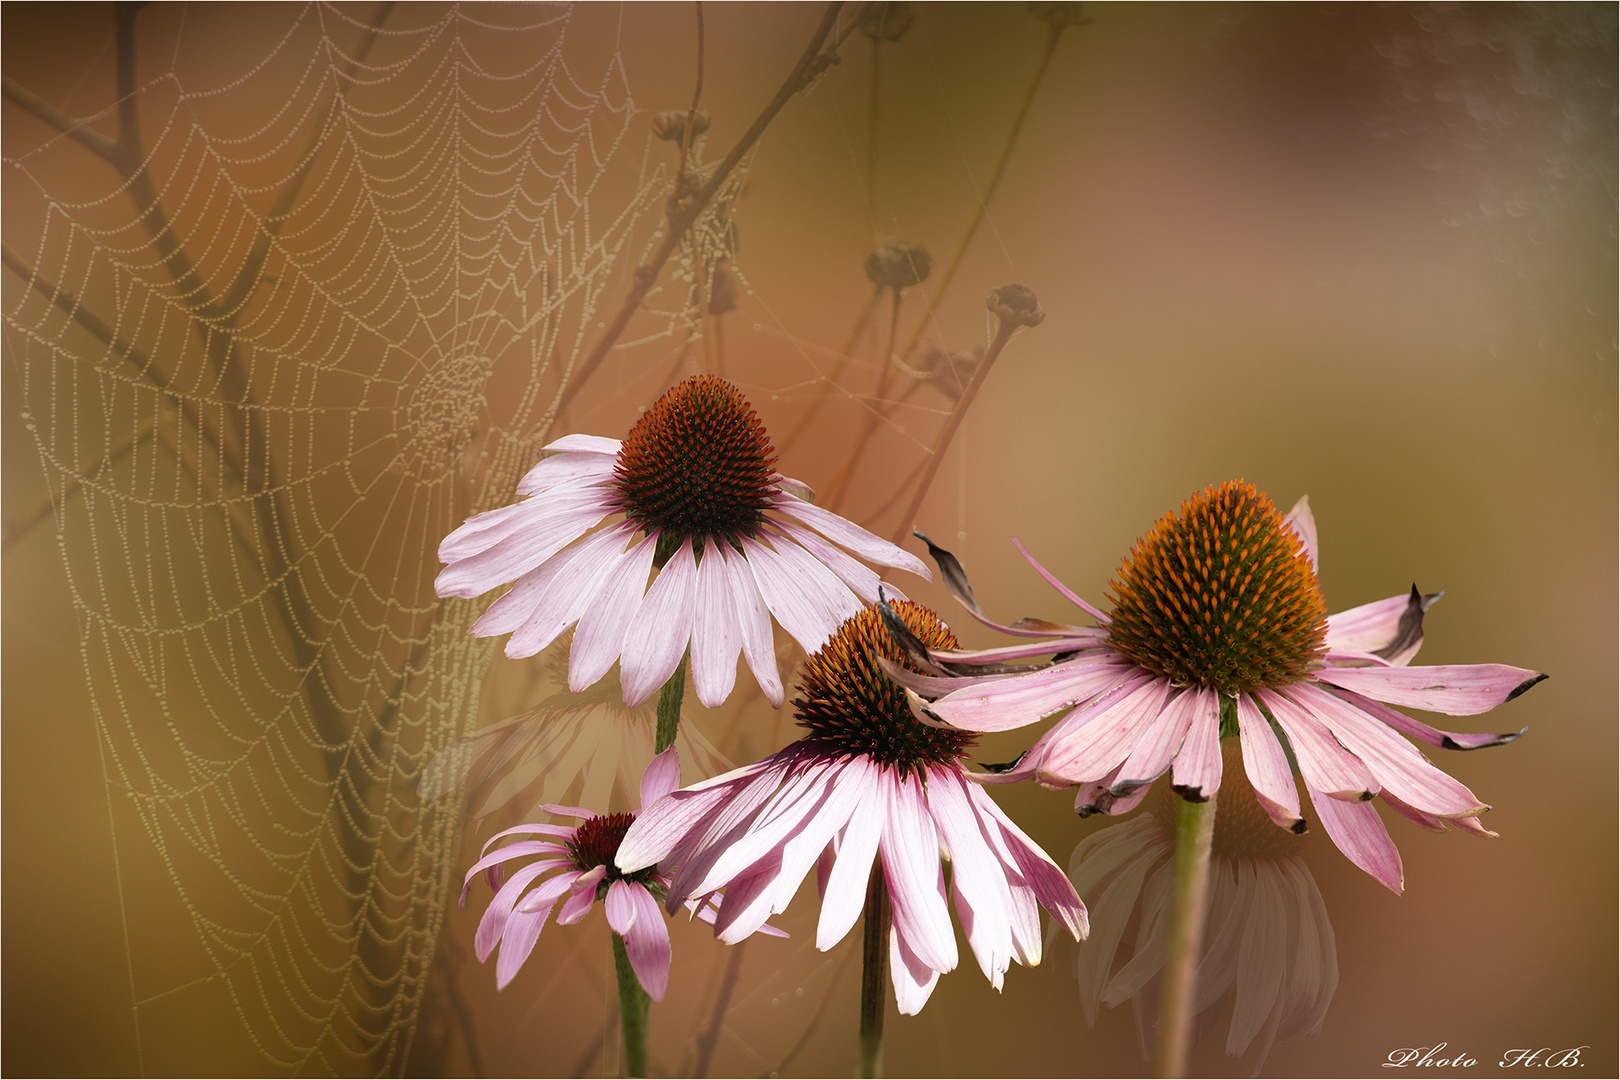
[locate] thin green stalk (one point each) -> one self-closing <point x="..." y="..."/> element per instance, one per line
<point x="1189" y="885"/>
<point x="669" y="708"/>
<point x="632" y="1011"/>
<point x="874" y="972"/>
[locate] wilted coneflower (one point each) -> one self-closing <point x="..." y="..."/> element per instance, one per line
<point x="1268" y="945"/>
<point x="879" y="799"/>
<point x="735" y="540"/>
<point x="1219" y="629"/>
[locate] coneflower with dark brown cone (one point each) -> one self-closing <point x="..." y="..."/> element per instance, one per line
<point x="735" y="541"/>
<point x="878" y="799"/>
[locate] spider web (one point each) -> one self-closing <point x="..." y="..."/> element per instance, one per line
<point x="273" y="346"/>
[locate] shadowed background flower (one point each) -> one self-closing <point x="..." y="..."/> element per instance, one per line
<point x="1364" y="251"/>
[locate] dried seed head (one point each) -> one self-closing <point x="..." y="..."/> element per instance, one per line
<point x="848" y="703"/>
<point x="1221" y="595"/>
<point x="899" y="265"/>
<point x="886" y="21"/>
<point x="670" y="124"/>
<point x="697" y="464"/>
<point x="1016" y="304"/>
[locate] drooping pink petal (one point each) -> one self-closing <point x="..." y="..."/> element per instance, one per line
<point x="1417" y="729"/>
<point x="1394" y="762"/>
<point x="663" y="776"/>
<point x="565" y="831"/>
<point x="1368" y="628"/>
<point x="1453" y="689"/>
<point x="581" y="896"/>
<point x="1196" y="773"/>
<point x="754" y="624"/>
<point x="676" y="826"/>
<point x="621" y="908"/>
<point x="1048" y="882"/>
<point x="745" y="894"/>
<point x="861" y="579"/>
<point x="844" y="894"/>
<point x="559" y="469"/>
<point x="533" y="531"/>
<point x="523" y="849"/>
<point x="849" y="535"/>
<point x="913" y="979"/>
<point x="1011" y="703"/>
<point x="1357" y="831"/>
<point x="1267" y="765"/>
<point x="816" y="601"/>
<point x="1103" y="740"/>
<point x="716" y="636"/>
<point x="1097" y="796"/>
<point x="602" y="625"/>
<point x="1303" y="522"/>
<point x="522" y="931"/>
<point x="493" y="922"/>
<point x="647" y="943"/>
<point x="1158" y="745"/>
<point x="656" y="639"/>
<point x="593" y="444"/>
<point x="1079" y="638"/>
<point x="1068" y="593"/>
<point x="983" y="901"/>
<point x="909" y="848"/>
<point x="547" y="893"/>
<point x="1323" y="763"/>
<point x="571" y="582"/>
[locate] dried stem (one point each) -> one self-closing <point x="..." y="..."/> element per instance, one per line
<point x="697" y="90"/>
<point x="710" y="1035"/>
<point x="684" y="211"/>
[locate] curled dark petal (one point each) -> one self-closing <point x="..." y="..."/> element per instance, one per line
<point x="1449" y="743"/>
<point x="1192" y="793"/>
<point x="1299" y="828"/>
<point x="1005" y="766"/>
<point x="951" y="572"/>
<point x="1521" y="688"/>
<point x="1409" y="632"/>
<point x="903" y="637"/>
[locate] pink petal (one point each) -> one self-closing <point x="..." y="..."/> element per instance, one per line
<point x="521" y="933"/>
<point x="844" y="895"/>
<point x="716" y="636"/>
<point x="849" y="535"/>
<point x="602" y="625"/>
<point x="745" y="829"/>
<point x="1367" y="628"/>
<point x="493" y="923"/>
<point x="536" y="530"/>
<point x="1358" y="832"/>
<point x="662" y="777"/>
<point x="657" y="636"/>
<point x="1196" y="775"/>
<point x="647" y="942"/>
<point x="565" y="831"/>
<point x="1103" y="739"/>
<point x="1043" y="876"/>
<point x="1157" y="746"/>
<point x="1454" y="689"/>
<point x="910" y="851"/>
<point x="1068" y="593"/>
<point x="1323" y="763"/>
<point x="621" y="908"/>
<point x="1417" y="729"/>
<point x="559" y="469"/>
<point x="1072" y="640"/>
<point x="1097" y="796"/>
<point x="754" y="625"/>
<point x="862" y="581"/>
<point x="1303" y="522"/>
<point x="1267" y="765"/>
<point x="515" y="851"/>
<point x="556" y="594"/>
<point x="581" y="897"/>
<point x="1394" y="762"/>
<point x="913" y="979"/>
<point x="676" y="824"/>
<point x="816" y="600"/>
<point x="983" y="901"/>
<point x="593" y="444"/>
<point x="1011" y="703"/>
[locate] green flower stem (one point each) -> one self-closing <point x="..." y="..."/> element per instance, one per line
<point x="669" y="708"/>
<point x="632" y="1011"/>
<point x="874" y="972"/>
<point x="1189" y="885"/>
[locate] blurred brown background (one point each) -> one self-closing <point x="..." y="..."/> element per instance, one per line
<point x="1364" y="253"/>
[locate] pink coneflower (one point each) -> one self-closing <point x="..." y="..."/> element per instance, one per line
<point x="736" y="543"/>
<point x="1219" y="629"/>
<point x="583" y="856"/>
<point x="868" y="783"/>
<point x="1268" y="947"/>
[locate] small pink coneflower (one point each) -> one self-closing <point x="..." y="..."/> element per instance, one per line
<point x="867" y="784"/>
<point x="735" y="541"/>
<point x="1219" y="629"/>
<point x="583" y="858"/>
